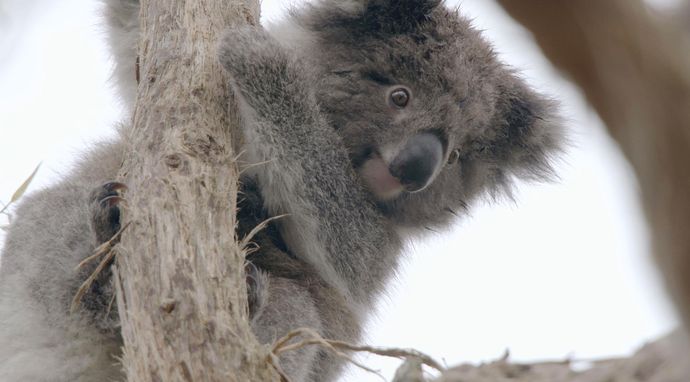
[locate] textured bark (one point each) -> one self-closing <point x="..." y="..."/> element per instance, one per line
<point x="634" y="68"/>
<point x="179" y="272"/>
<point x="662" y="361"/>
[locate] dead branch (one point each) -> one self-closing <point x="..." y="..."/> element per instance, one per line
<point x="662" y="361"/>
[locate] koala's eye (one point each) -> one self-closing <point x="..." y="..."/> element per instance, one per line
<point x="400" y="97"/>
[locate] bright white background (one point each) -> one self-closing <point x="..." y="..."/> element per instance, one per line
<point x="563" y="272"/>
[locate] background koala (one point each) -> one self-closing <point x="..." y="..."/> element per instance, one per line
<point x="402" y="119"/>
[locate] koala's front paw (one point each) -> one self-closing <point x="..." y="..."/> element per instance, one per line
<point x="105" y="210"/>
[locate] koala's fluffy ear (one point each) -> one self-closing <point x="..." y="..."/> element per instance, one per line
<point x="373" y="17"/>
<point x="530" y="134"/>
<point x="396" y="16"/>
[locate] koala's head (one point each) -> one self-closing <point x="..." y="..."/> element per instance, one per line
<point x="429" y="115"/>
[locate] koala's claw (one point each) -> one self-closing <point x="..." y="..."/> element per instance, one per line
<point x="105" y="214"/>
<point x="111" y="201"/>
<point x="114" y="186"/>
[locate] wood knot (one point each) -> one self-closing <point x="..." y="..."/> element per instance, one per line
<point x="173" y="161"/>
<point x="168" y="306"/>
<point x="202" y="145"/>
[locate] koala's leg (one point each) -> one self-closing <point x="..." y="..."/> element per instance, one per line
<point x="339" y="323"/>
<point x="283" y="306"/>
<point x="291" y="295"/>
<point x="51" y="233"/>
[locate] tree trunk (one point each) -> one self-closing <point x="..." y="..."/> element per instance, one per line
<point x="180" y="272"/>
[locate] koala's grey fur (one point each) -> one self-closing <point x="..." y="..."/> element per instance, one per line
<point x="313" y="100"/>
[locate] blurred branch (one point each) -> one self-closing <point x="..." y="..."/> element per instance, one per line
<point x="662" y="361"/>
<point x="634" y="69"/>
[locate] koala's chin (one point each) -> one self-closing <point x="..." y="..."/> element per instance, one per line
<point x="409" y="169"/>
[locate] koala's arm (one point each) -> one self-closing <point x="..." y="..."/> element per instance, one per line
<point x="303" y="167"/>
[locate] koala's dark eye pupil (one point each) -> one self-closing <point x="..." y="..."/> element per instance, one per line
<point x="400" y="97"/>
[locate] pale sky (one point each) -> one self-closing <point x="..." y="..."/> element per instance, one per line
<point x="562" y="272"/>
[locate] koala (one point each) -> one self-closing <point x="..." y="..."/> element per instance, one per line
<point x="366" y="123"/>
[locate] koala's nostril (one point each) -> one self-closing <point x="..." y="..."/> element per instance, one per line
<point x="418" y="161"/>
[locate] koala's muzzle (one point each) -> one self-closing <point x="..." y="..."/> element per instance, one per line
<point x="418" y="162"/>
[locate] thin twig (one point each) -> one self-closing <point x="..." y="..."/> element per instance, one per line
<point x="247" y="239"/>
<point x="313" y="338"/>
<point x="103" y="248"/>
<point x="97" y="253"/>
<point x="256" y="164"/>
<point x="275" y="363"/>
<point x="5" y="207"/>
<point x="108" y="254"/>
<point x="282" y="346"/>
<point x="110" y="305"/>
<point x="119" y="292"/>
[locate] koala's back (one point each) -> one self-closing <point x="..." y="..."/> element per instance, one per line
<point x="49" y="236"/>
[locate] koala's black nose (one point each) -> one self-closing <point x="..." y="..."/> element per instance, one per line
<point x="418" y="162"/>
